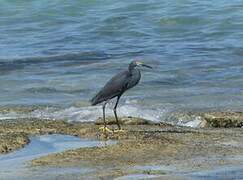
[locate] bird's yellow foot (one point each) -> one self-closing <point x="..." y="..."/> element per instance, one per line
<point x="105" y="129"/>
<point x="119" y="131"/>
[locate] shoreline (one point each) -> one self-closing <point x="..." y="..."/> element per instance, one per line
<point x="142" y="144"/>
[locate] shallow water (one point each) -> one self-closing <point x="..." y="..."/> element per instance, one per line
<point x="137" y="176"/>
<point x="218" y="174"/>
<point x="172" y="172"/>
<point x="58" y="54"/>
<point x="15" y="165"/>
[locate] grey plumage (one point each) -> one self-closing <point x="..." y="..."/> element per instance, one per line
<point x="117" y="85"/>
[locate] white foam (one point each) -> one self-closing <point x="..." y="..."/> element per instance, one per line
<point x="192" y="121"/>
<point x="11" y="115"/>
<point x="91" y="113"/>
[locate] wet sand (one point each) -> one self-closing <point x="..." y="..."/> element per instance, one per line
<point x="148" y="149"/>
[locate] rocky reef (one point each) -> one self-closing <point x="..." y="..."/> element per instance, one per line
<point x="141" y="143"/>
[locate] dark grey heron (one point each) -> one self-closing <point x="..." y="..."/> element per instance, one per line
<point x="116" y="86"/>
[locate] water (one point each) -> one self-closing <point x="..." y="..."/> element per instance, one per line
<point x="220" y="173"/>
<point x="56" y="55"/>
<point x="16" y="165"/>
<point x="170" y="172"/>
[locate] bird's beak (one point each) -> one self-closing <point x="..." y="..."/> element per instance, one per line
<point x="147" y="66"/>
<point x="144" y="65"/>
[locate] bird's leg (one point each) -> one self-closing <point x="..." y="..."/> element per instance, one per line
<point x="105" y="129"/>
<point x="114" y="109"/>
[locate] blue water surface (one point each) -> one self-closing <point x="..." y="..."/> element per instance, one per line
<point x="60" y="53"/>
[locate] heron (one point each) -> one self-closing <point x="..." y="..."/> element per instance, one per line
<point x="116" y="86"/>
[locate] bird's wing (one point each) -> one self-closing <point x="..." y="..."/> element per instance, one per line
<point x="114" y="87"/>
<point x="117" y="84"/>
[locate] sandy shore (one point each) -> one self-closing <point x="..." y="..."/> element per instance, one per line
<point x="143" y="149"/>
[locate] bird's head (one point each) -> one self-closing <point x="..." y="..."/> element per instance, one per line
<point x="139" y="63"/>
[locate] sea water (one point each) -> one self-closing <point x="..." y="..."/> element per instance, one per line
<point x="55" y="55"/>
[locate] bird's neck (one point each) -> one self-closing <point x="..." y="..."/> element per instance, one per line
<point x="132" y="70"/>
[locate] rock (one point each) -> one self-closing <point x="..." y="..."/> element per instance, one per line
<point x="208" y="119"/>
<point x="14" y="133"/>
<point x="126" y="121"/>
<point x="224" y="119"/>
<point x="12" y="141"/>
<point x="203" y="124"/>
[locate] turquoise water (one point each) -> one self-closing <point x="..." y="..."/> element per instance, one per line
<point x="58" y="54"/>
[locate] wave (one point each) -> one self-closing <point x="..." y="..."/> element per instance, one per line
<point x="87" y="113"/>
<point x="54" y="90"/>
<point x="8" y="64"/>
<point x="162" y="113"/>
